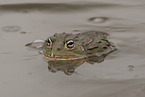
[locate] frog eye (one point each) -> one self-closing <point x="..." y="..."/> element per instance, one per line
<point x="69" y="44"/>
<point x="49" y="42"/>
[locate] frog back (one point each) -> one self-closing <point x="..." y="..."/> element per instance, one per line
<point x="94" y="43"/>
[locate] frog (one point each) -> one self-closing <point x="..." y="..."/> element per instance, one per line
<point x="66" y="46"/>
<point x="66" y="51"/>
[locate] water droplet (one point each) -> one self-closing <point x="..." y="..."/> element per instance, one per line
<point x="98" y="19"/>
<point x="36" y="44"/>
<point x="11" y="28"/>
<point x="131" y="67"/>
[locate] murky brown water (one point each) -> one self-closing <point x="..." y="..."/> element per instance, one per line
<point x="24" y="73"/>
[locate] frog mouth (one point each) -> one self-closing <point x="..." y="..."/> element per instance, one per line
<point x="54" y="57"/>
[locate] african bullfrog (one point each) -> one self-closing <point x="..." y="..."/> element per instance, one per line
<point x="66" y="51"/>
<point x="66" y="46"/>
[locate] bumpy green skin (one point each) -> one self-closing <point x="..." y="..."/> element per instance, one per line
<point x="86" y="44"/>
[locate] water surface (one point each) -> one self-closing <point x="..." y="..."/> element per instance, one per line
<point x="24" y="73"/>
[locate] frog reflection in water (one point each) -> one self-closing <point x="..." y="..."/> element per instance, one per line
<point x="66" y="52"/>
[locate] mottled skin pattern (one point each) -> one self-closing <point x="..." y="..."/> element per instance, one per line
<point x="84" y="45"/>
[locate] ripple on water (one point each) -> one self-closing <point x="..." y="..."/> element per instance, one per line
<point x="98" y="19"/>
<point x="11" y="28"/>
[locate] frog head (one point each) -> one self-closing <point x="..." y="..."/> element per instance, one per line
<point x="59" y="47"/>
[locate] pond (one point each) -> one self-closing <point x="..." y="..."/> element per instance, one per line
<point x="23" y="71"/>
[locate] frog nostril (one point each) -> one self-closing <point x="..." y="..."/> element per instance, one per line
<point x="58" y="49"/>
